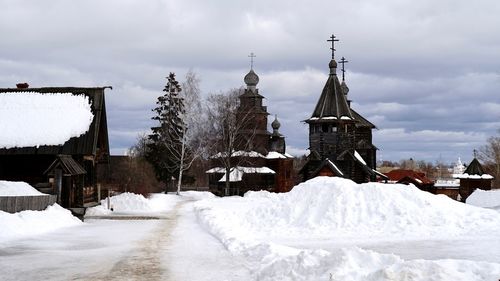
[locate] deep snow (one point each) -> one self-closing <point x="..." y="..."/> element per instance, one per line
<point x="485" y="198"/>
<point x="324" y="229"/>
<point x="267" y="229"/>
<point x="31" y="223"/>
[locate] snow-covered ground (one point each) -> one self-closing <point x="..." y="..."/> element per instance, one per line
<point x="324" y="229"/>
<point x="485" y="199"/>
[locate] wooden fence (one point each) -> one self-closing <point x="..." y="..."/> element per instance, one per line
<point x="14" y="204"/>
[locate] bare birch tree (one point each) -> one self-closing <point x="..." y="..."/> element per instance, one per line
<point x="177" y="141"/>
<point x="228" y="130"/>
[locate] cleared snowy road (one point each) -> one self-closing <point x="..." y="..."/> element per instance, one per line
<point x="172" y="248"/>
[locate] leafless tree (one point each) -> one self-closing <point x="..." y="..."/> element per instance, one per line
<point x="191" y="134"/>
<point x="489" y="154"/>
<point x="229" y="130"/>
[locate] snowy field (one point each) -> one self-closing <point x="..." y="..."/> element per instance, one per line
<point x="324" y="229"/>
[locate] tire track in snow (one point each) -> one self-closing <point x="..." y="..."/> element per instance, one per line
<point x="144" y="262"/>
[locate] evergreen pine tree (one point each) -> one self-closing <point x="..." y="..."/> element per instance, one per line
<point x="167" y="136"/>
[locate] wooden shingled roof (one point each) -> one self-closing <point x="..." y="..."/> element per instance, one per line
<point x="332" y="102"/>
<point x="362" y="121"/>
<point x="474" y="168"/>
<point x="85" y="144"/>
<point x="67" y="164"/>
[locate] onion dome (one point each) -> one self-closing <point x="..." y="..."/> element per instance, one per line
<point x="344" y="87"/>
<point x="251" y="79"/>
<point x="333" y="67"/>
<point x="276" y="124"/>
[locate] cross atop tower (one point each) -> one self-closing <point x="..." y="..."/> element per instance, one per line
<point x="333" y="40"/>
<point x="251" y="56"/>
<point x="343" y="61"/>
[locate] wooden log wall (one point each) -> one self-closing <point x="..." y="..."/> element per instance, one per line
<point x="14" y="204"/>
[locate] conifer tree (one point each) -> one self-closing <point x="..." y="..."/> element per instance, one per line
<point x="178" y="140"/>
<point x="167" y="135"/>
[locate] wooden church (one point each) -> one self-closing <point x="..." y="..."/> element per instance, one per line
<point x="261" y="162"/>
<point x="340" y="139"/>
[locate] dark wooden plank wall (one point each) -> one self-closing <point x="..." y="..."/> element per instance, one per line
<point x="14" y="204"/>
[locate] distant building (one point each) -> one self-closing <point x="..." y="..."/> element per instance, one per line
<point x="265" y="164"/>
<point x="473" y="178"/>
<point x="340" y="139"/>
<point x="68" y="169"/>
<point x="450" y="186"/>
<point x="411" y="177"/>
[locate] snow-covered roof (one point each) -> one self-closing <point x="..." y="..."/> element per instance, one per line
<point x="215" y="170"/>
<point x="467" y="176"/>
<point x="358" y="156"/>
<point x="447" y="183"/>
<point x="380" y="174"/>
<point x="239" y="153"/>
<point x="237" y="172"/>
<point x="335" y="167"/>
<point x="275" y="155"/>
<point x="34" y="119"/>
<point x="288" y="155"/>
<point x="15" y="188"/>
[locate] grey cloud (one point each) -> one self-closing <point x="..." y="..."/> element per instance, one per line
<point x="414" y="67"/>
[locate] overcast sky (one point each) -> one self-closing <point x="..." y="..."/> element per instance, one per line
<point x="427" y="73"/>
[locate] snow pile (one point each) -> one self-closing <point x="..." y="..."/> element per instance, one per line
<point x="485" y="198"/>
<point x="33" y="119"/>
<point x="28" y="223"/>
<point x="335" y="209"/>
<point x="362" y="265"/>
<point x="197" y="195"/>
<point x="333" y="206"/>
<point x="13" y="188"/>
<point x="129" y="203"/>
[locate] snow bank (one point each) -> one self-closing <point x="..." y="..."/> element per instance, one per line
<point x="33" y="119"/>
<point x="130" y="203"/>
<point x="28" y="223"/>
<point x="335" y="208"/>
<point x="197" y="195"/>
<point x="17" y="188"/>
<point x="485" y="198"/>
<point x="327" y="206"/>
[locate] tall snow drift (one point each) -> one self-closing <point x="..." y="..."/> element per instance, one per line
<point x="333" y="209"/>
<point x="33" y="119"/>
<point x="340" y="207"/>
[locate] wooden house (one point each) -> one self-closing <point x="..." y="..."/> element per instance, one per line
<point x="263" y="163"/>
<point x="340" y="139"/>
<point x="411" y="177"/>
<point x="473" y="178"/>
<point x="68" y="169"/>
